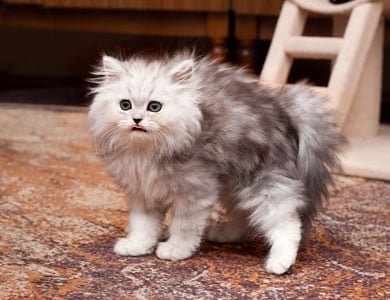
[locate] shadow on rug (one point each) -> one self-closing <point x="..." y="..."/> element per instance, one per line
<point x="60" y="215"/>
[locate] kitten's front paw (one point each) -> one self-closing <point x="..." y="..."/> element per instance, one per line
<point x="166" y="250"/>
<point x="279" y="265"/>
<point x="132" y="247"/>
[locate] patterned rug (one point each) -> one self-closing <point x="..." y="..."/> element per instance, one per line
<point x="60" y="215"/>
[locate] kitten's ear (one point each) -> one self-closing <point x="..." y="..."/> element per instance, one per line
<point x="111" y="66"/>
<point x="182" y="71"/>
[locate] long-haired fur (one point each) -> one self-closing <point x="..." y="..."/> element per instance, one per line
<point x="265" y="154"/>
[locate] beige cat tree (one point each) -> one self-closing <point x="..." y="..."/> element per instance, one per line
<point x="354" y="88"/>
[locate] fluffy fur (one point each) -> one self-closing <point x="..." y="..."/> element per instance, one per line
<point x="263" y="154"/>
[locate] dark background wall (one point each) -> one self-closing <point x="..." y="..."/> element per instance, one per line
<point x="35" y="59"/>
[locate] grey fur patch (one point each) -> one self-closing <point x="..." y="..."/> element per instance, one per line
<point x="244" y="136"/>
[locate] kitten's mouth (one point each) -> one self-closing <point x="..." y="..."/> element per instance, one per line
<point x="138" y="128"/>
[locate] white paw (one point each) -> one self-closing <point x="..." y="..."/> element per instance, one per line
<point x="133" y="247"/>
<point x="280" y="264"/>
<point x="169" y="251"/>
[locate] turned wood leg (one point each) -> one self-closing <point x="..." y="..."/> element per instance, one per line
<point x="246" y="53"/>
<point x="219" y="49"/>
<point x="246" y="32"/>
<point x="217" y="29"/>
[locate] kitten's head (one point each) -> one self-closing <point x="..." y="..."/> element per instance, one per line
<point x="145" y="104"/>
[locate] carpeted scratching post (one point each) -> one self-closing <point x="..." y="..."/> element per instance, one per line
<point x="354" y="88"/>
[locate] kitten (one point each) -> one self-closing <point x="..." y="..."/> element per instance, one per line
<point x="182" y="133"/>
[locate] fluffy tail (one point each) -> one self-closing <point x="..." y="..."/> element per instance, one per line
<point x="319" y="143"/>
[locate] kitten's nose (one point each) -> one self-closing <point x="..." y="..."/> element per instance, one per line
<point x="137" y="121"/>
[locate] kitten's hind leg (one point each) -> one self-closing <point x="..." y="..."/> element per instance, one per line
<point x="274" y="214"/>
<point x="234" y="230"/>
<point x="143" y="233"/>
<point x="284" y="239"/>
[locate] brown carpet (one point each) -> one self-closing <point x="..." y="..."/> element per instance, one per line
<point x="60" y="215"/>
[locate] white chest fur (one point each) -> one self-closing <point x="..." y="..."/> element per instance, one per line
<point x="142" y="179"/>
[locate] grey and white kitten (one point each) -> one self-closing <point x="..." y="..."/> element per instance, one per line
<point x="183" y="133"/>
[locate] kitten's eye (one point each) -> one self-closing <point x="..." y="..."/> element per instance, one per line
<point x="125" y="104"/>
<point x="154" y="106"/>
